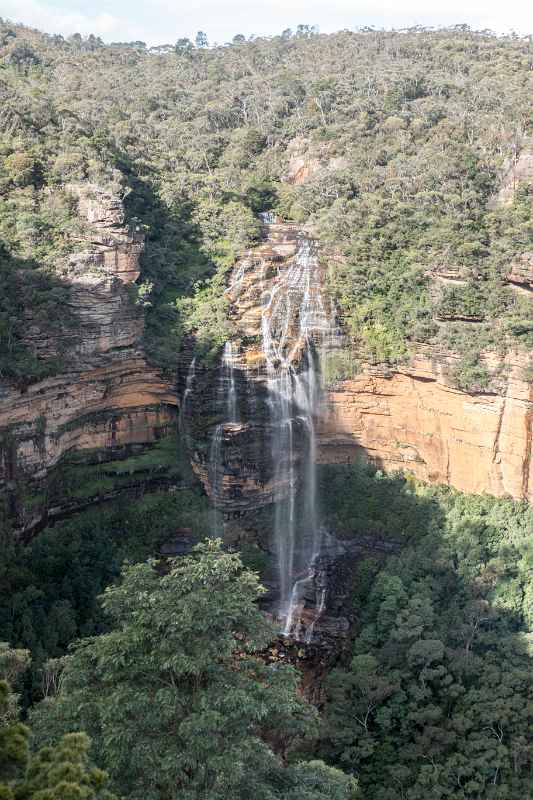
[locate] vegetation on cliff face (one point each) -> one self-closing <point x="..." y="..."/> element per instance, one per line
<point x="402" y="139"/>
<point x="50" y="586"/>
<point x="31" y="300"/>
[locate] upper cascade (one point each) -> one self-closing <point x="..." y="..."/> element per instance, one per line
<point x="294" y="309"/>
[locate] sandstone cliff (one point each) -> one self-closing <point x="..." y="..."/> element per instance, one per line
<point x="246" y="475"/>
<point x="409" y="418"/>
<point x="412" y="419"/>
<point x="109" y="396"/>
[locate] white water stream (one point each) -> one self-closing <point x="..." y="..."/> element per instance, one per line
<point x="227" y="405"/>
<point x="189" y="384"/>
<point x="294" y="323"/>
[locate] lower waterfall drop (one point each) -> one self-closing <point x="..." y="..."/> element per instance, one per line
<point x="226" y="403"/>
<point x="279" y="385"/>
<point x="189" y="384"/>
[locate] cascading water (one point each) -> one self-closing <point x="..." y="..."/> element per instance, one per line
<point x="295" y="324"/>
<point x="294" y="321"/>
<point x="228" y="383"/>
<point x="268" y="217"/>
<point x="189" y="383"/>
<point x="227" y="406"/>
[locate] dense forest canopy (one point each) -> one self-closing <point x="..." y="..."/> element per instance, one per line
<point x="431" y="698"/>
<point x="408" y="134"/>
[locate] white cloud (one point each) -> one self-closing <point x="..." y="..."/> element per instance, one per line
<point x="53" y="19"/>
<point x="167" y="20"/>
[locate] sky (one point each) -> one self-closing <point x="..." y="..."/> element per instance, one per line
<point x="164" y="21"/>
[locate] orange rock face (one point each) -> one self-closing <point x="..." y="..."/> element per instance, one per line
<point x="411" y="420"/>
<point x="108" y="395"/>
<point x="123" y="403"/>
<point x="408" y="419"/>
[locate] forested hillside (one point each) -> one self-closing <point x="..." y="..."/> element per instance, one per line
<point x="402" y="139"/>
<point x="142" y="652"/>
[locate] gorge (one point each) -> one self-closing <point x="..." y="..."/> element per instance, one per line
<point x="275" y="418"/>
<point x="266" y="413"/>
<point x="279" y="421"/>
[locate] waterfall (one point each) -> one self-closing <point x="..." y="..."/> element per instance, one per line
<point x="294" y="321"/>
<point x="189" y="383"/>
<point x="227" y="407"/>
<point x="215" y="473"/>
<point x="268" y="217"/>
<point x="227" y="382"/>
<point x="318" y="613"/>
<point x="295" y="324"/>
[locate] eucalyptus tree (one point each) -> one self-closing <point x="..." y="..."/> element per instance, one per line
<point x="175" y="697"/>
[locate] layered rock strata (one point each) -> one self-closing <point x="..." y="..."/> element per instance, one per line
<point x="410" y="418"/>
<point x="246" y="475"/>
<point x="108" y="397"/>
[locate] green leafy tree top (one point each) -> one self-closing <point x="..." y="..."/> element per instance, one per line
<point x="59" y="772"/>
<point x="177" y="702"/>
<point x="201" y="39"/>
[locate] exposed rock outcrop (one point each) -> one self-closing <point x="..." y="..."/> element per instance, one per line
<point x="306" y="161"/>
<point x="515" y="171"/>
<point x="521" y="272"/>
<point x="108" y="396"/>
<point x="412" y="419"/>
<point x="247" y="476"/>
<point x="408" y="418"/>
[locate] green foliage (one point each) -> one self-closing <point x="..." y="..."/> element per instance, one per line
<point x="50" y="587"/>
<point x="178" y="670"/>
<point x="83" y="476"/>
<point x="58" y="772"/>
<point x="206" y="315"/>
<point x="13" y="744"/>
<point x="466" y="302"/>
<point x="359" y="500"/>
<point x="436" y="698"/>
<point x="30" y="298"/>
<point x="470" y="375"/>
<point x="339" y="365"/>
<point x="13" y="665"/>
<point x="405" y="136"/>
<point x="528" y="373"/>
<point x="314" y="780"/>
